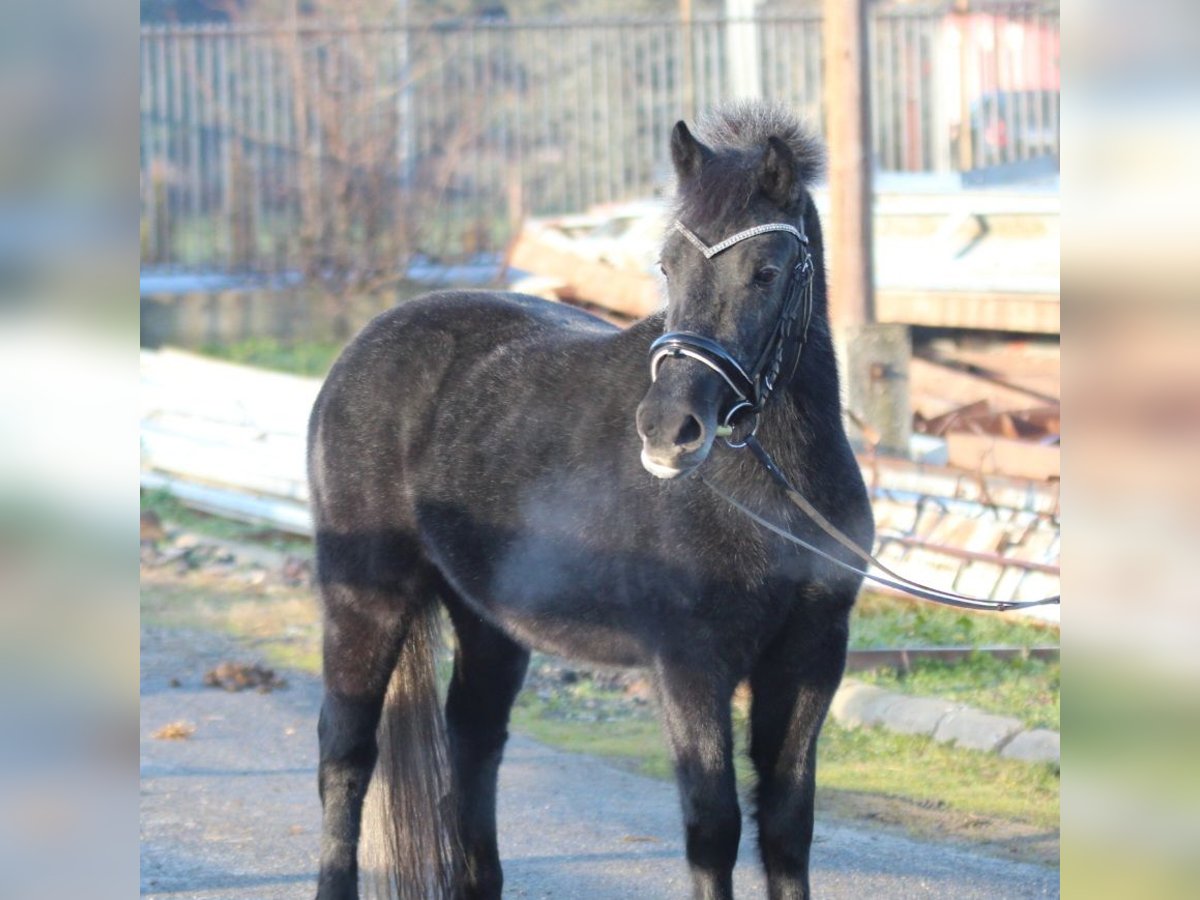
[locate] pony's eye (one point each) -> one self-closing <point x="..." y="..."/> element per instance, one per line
<point x="766" y="275"/>
<point x="663" y="269"/>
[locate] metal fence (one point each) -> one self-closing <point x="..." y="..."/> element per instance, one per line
<point x="341" y="151"/>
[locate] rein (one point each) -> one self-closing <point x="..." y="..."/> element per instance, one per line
<point x="895" y="580"/>
<point x="754" y="388"/>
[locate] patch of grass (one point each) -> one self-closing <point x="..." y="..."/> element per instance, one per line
<point x="1027" y="689"/>
<point x="894" y="777"/>
<point x="881" y="621"/>
<point x="281" y="624"/>
<point x="873" y="760"/>
<point x="635" y="744"/>
<point x="287" y="628"/>
<point x="183" y="606"/>
<point x="299" y="357"/>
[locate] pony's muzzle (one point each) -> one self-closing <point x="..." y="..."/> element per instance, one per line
<point x="676" y="437"/>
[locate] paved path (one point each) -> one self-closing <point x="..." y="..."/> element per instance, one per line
<point x="232" y="812"/>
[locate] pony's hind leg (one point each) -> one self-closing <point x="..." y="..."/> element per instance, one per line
<point x="695" y="703"/>
<point x="489" y="669"/>
<point x="363" y="632"/>
<point x="792" y="686"/>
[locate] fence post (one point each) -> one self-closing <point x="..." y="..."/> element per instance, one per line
<point x="966" y="137"/>
<point x="687" y="65"/>
<point x="873" y="357"/>
<point x="741" y="43"/>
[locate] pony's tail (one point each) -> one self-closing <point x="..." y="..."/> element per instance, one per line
<point x="409" y="845"/>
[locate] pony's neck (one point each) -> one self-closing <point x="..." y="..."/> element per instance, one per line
<point x="807" y="408"/>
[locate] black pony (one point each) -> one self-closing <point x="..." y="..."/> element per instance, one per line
<point x="514" y="461"/>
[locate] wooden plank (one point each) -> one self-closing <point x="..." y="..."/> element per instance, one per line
<point x="173" y="381"/>
<point x="1028" y="312"/>
<point x="285" y="515"/>
<point x="630" y="293"/>
<point x="848" y="228"/>
<point x="974" y="203"/>
<point x="234" y="467"/>
<point x="936" y="389"/>
<point x="987" y="454"/>
<point x="1027" y="366"/>
<point x="229" y="439"/>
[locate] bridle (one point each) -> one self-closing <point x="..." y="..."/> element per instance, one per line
<point x="752" y="388"/>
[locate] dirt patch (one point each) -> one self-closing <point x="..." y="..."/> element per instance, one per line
<point x="242" y="676"/>
<point x="581" y="693"/>
<point x="252" y="591"/>
<point x="1013" y="840"/>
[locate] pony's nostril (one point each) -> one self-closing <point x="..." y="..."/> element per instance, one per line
<point x="690" y="432"/>
<point x="647" y="424"/>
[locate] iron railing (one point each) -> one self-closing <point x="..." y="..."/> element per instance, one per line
<point x="329" y="148"/>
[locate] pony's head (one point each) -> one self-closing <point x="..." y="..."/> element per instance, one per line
<point x="739" y="277"/>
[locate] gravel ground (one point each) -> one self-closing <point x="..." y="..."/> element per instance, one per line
<point x="231" y="812"/>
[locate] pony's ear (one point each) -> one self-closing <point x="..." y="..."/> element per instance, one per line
<point x="688" y="154"/>
<point x="777" y="174"/>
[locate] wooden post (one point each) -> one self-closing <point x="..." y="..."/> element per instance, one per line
<point x="689" y="89"/>
<point x="846" y="102"/>
<point x="966" y="135"/>
<point x="873" y="357"/>
<point x="742" y="50"/>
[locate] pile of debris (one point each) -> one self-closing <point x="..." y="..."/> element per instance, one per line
<point x="231" y="676"/>
<point x="603" y="260"/>
<point x="995" y="404"/>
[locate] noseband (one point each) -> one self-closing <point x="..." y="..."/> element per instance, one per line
<point x="753" y="388"/>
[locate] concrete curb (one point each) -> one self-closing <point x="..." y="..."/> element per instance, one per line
<point x="857" y="705"/>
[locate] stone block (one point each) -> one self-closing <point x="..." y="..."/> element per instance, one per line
<point x="916" y="715"/>
<point x="976" y="730"/>
<point x="1036" y="745"/>
<point x="857" y="704"/>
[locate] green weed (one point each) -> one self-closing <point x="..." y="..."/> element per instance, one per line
<point x="880" y="621"/>
<point x="301" y="357"/>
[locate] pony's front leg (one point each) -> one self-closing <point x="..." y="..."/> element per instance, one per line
<point x="695" y="711"/>
<point x="793" y="684"/>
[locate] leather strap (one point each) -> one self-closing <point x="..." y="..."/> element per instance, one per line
<point x="895" y="581"/>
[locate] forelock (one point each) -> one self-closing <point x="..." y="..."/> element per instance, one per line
<point x="746" y="125"/>
<point x="737" y="133"/>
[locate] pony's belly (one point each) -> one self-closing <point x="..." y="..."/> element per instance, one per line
<point x="555" y="561"/>
<point x="578" y="640"/>
<point x="569" y="603"/>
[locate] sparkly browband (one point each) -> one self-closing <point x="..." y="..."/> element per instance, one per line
<point x="710" y="252"/>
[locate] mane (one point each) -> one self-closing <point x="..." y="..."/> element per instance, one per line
<point x="737" y="133"/>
